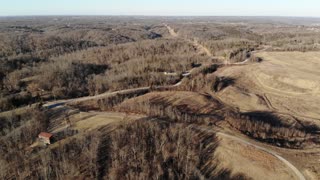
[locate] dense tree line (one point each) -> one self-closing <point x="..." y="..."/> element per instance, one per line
<point x="98" y="70"/>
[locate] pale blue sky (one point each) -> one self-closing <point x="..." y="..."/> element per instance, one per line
<point x="162" y="7"/>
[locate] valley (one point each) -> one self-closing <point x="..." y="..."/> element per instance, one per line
<point x="159" y="99"/>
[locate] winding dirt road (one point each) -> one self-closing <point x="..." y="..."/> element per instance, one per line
<point x="286" y="162"/>
<point x="219" y="132"/>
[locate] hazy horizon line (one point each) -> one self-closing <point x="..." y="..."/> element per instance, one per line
<point x="142" y="15"/>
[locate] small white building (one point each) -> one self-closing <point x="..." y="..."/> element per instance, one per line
<point x="170" y="73"/>
<point x="185" y="74"/>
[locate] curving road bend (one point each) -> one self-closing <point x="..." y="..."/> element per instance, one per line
<point x="286" y="162"/>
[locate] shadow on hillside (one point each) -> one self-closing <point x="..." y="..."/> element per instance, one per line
<point x="104" y="153"/>
<point x="265" y="117"/>
<point x="223" y="82"/>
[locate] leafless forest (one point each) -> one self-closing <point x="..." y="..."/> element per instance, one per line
<point x="162" y="77"/>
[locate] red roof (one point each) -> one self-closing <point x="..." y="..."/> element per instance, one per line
<point x="44" y="134"/>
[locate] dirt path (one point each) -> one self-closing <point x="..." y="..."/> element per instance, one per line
<point x="299" y="175"/>
<point x="286" y="162"/>
<point x="266" y="99"/>
<point x="252" y="53"/>
<point x="205" y="50"/>
<point x="202" y="49"/>
<point x="171" y="31"/>
<point x="54" y="104"/>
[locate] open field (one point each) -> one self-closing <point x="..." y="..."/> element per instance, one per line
<point x="286" y="82"/>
